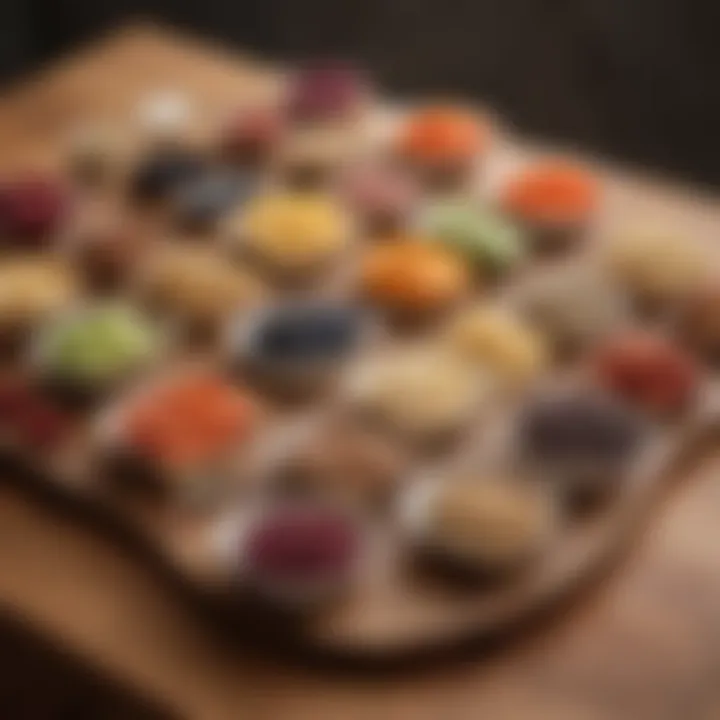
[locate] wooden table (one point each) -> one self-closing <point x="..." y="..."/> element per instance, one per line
<point x="645" y="645"/>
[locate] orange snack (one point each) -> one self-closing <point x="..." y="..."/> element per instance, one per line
<point x="413" y="276"/>
<point x="440" y="135"/>
<point x="552" y="192"/>
<point x="189" y="420"/>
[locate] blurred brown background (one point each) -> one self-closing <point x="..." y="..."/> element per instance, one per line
<point x="40" y="681"/>
<point x="635" y="80"/>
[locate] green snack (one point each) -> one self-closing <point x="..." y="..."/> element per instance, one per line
<point x="99" y="345"/>
<point x="486" y="238"/>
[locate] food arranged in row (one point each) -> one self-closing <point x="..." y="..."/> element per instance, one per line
<point x="318" y="331"/>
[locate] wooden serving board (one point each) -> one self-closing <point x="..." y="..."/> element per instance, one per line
<point x="394" y="612"/>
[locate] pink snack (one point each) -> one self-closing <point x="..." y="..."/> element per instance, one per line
<point x="325" y="91"/>
<point x="380" y="194"/>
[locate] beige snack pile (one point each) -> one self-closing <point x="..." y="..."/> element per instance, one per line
<point x="420" y="391"/>
<point x="198" y="283"/>
<point x="31" y="288"/>
<point x="491" y="523"/>
<point x="497" y="340"/>
<point x="656" y="265"/>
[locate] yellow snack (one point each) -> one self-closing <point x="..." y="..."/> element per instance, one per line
<point x="294" y="231"/>
<point x="198" y="283"/>
<point x="656" y="265"/>
<point x="30" y="289"/>
<point x="500" y="342"/>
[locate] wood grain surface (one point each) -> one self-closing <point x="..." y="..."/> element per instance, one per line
<point x="644" y="645"/>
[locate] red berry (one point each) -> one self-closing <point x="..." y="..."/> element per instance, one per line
<point x="42" y="424"/>
<point x="649" y="371"/>
<point x="301" y="545"/>
<point x="251" y="134"/>
<point x="30" y="417"/>
<point x="13" y="399"/>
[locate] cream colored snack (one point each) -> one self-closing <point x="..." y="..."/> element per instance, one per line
<point x="197" y="283"/>
<point x="574" y="305"/>
<point x="491" y="524"/>
<point x="420" y="392"/>
<point x="31" y="289"/>
<point x="655" y="265"/>
<point x="499" y="341"/>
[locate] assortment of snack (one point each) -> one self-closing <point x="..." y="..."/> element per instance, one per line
<point x="405" y="312"/>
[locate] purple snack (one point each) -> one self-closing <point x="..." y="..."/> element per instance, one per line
<point x="580" y="428"/>
<point x="325" y="91"/>
<point x="583" y="442"/>
<point x="300" y="551"/>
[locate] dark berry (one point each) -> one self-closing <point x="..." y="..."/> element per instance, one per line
<point x="158" y="176"/>
<point x="306" y="333"/>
